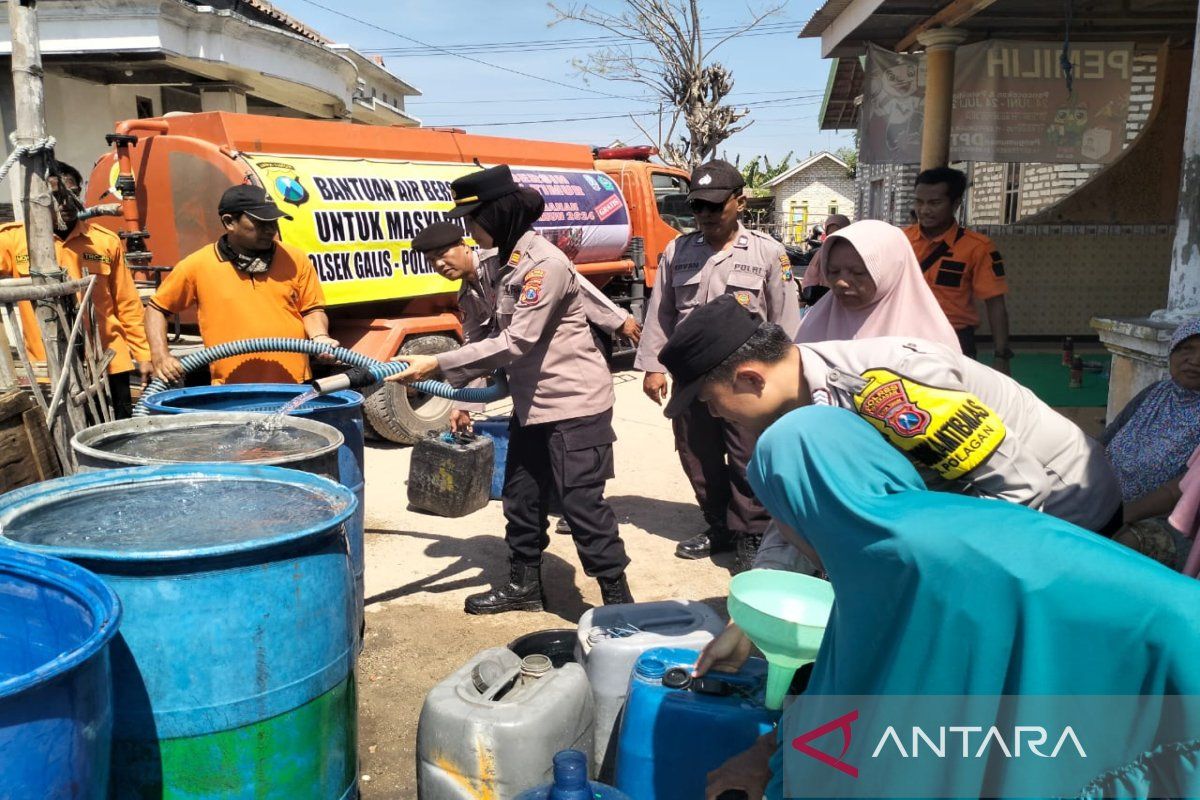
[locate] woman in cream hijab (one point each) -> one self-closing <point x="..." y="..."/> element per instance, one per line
<point x="876" y="290"/>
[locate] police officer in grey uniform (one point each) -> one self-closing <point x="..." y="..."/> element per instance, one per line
<point x="965" y="426"/>
<point x="524" y="314"/>
<point x="721" y="258"/>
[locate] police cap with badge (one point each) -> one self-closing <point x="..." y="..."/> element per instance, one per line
<point x="472" y="191"/>
<point x="715" y="182"/>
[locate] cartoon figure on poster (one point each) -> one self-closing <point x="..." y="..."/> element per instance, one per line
<point x="895" y="96"/>
<point x="1070" y="121"/>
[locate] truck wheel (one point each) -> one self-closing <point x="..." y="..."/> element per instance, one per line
<point x="402" y="415"/>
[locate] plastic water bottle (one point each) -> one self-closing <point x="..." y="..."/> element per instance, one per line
<point x="571" y="782"/>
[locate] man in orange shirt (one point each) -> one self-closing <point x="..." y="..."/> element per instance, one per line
<point x="83" y="248"/>
<point x="246" y="285"/>
<point x="960" y="266"/>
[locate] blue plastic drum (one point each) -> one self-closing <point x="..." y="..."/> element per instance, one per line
<point x="497" y="429"/>
<point x="56" y="713"/>
<point x="233" y="673"/>
<point x="342" y="410"/>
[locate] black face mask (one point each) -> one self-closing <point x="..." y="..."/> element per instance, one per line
<point x="508" y="218"/>
<point x="252" y="264"/>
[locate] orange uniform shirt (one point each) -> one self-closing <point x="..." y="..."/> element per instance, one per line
<point x="90" y="249"/>
<point x="233" y="305"/>
<point x="961" y="267"/>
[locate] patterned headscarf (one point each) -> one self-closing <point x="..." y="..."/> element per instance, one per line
<point x="1154" y="445"/>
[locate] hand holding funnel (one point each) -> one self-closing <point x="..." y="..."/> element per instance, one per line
<point x="784" y="614"/>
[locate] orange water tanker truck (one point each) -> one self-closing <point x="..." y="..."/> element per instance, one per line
<point x="358" y="194"/>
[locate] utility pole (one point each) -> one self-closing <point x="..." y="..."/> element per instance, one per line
<point x="37" y="204"/>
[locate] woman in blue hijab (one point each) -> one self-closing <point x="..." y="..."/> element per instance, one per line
<point x="944" y="594"/>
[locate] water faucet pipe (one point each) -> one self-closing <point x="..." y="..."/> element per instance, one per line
<point x="364" y="371"/>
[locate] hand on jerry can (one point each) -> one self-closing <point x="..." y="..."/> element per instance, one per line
<point x="655" y="386"/>
<point x="460" y="421"/>
<point x="419" y="368"/>
<point x="726" y="653"/>
<point x="746" y="775"/>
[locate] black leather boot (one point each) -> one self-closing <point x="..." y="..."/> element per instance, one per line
<point x="523" y="592"/>
<point x="716" y="539"/>
<point x="747" y="549"/>
<point x="614" y="591"/>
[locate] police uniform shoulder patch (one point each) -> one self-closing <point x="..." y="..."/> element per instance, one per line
<point x="949" y="431"/>
<point x="743" y="241"/>
<point x="515" y="258"/>
<point x="785" y="267"/>
<point x="531" y="288"/>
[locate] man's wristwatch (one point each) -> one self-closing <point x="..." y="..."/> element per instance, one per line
<point x="1005" y="354"/>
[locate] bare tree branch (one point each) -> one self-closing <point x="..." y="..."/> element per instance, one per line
<point x="689" y="87"/>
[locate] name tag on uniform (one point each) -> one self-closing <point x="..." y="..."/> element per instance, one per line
<point x="690" y="266"/>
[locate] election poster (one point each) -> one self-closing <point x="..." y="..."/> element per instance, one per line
<point x="1012" y="103"/>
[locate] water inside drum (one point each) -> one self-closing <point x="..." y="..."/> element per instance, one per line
<point x="232" y="442"/>
<point x="163" y="516"/>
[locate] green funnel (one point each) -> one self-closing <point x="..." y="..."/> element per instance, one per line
<point x="784" y="614"/>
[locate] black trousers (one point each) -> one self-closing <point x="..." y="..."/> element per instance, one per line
<point x="574" y="458"/>
<point x="966" y="340"/>
<point x="714" y="455"/>
<point x="122" y="395"/>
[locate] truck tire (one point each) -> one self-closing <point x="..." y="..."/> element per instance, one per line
<point x="399" y="414"/>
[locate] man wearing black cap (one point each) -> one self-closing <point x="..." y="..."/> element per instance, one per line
<point x="721" y="258"/>
<point x="246" y="285"/>
<point x="967" y="426"/>
<point x="523" y="312"/>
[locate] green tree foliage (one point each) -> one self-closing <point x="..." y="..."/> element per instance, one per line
<point x="850" y="156"/>
<point x="760" y="170"/>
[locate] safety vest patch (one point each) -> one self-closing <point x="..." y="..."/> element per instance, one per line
<point x="950" y="432"/>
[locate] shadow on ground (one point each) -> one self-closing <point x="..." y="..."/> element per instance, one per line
<point x="668" y="519"/>
<point x="488" y="555"/>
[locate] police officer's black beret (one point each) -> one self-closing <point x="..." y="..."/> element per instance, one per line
<point x="436" y="236"/>
<point x="472" y="191"/>
<point x="699" y="344"/>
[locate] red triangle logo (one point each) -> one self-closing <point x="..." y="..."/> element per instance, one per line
<point x="842" y="724"/>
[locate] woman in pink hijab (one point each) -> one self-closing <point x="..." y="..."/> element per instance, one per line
<point x="876" y="290"/>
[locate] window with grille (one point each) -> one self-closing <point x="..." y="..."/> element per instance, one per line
<point x="1012" y="193"/>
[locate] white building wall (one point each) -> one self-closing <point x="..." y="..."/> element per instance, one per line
<point x="78" y="115"/>
<point x="820" y="189"/>
<point x="885" y="191"/>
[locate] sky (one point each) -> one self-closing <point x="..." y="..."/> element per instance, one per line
<point x="780" y="76"/>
